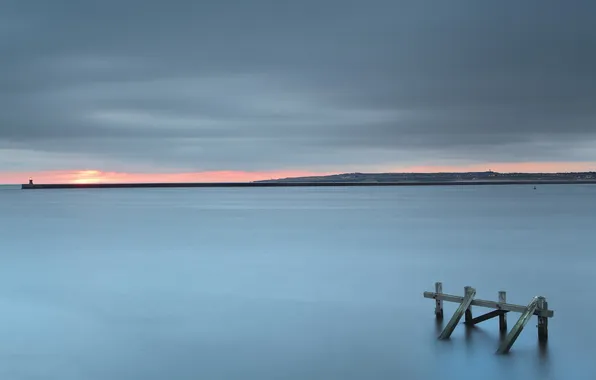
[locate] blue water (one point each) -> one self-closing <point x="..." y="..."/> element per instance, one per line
<point x="290" y="283"/>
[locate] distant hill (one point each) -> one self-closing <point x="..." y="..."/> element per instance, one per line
<point x="421" y="177"/>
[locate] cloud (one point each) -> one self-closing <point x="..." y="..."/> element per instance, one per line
<point x="134" y="85"/>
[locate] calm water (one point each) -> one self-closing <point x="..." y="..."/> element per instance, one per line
<point x="311" y="283"/>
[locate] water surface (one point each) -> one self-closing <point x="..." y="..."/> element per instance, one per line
<point x="290" y="283"/>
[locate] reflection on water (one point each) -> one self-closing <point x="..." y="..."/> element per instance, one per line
<point x="290" y="283"/>
<point x="543" y="351"/>
<point x="439" y="325"/>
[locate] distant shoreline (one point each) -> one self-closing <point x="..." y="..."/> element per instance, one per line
<point x="282" y="183"/>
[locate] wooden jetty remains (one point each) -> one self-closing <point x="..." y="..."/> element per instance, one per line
<point x="538" y="306"/>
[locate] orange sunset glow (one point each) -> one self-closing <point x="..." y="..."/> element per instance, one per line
<point x="96" y="176"/>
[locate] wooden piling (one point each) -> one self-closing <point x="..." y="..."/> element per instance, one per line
<point x="468" y="316"/>
<point x="468" y="298"/>
<point x="542" y="320"/>
<point x="503" y="317"/>
<point x="518" y="327"/>
<point x="438" y="301"/>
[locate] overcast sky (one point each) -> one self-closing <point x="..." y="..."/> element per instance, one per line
<point x="193" y="85"/>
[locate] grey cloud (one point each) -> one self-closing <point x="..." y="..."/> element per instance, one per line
<point x="268" y="84"/>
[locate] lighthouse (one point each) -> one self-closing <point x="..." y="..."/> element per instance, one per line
<point x="30" y="181"/>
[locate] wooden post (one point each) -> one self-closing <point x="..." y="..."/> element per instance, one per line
<point x="503" y="317"/>
<point x="542" y="321"/>
<point x="463" y="306"/>
<point x="439" y="302"/>
<point x="468" y="315"/>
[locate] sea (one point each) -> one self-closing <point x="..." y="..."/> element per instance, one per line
<point x="292" y="283"/>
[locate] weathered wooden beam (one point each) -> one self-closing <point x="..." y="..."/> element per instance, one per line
<point x="519" y="326"/>
<point x="487" y="316"/>
<point x="489" y="304"/>
<point x="463" y="306"/>
<point x="502" y="317"/>
<point x="468" y="314"/>
<point x="439" y="302"/>
<point x="542" y="321"/>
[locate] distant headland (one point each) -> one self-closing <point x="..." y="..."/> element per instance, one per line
<point x="479" y="177"/>
<point x="361" y="179"/>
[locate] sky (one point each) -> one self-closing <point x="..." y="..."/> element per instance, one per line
<point x="147" y="90"/>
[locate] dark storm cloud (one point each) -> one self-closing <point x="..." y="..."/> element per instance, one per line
<point x="271" y="84"/>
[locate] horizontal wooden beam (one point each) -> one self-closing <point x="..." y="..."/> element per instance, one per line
<point x="489" y="304"/>
<point x="487" y="316"/>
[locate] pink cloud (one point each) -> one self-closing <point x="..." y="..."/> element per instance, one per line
<point x="95" y="176"/>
